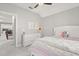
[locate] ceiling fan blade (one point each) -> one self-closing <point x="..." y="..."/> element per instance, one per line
<point x="48" y="3"/>
<point x="30" y="7"/>
<point x="36" y="5"/>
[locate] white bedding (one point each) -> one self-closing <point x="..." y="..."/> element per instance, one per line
<point x="69" y="47"/>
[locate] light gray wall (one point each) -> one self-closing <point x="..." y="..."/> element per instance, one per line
<point x="69" y="17"/>
<point x="6" y="18"/>
<point x="23" y="17"/>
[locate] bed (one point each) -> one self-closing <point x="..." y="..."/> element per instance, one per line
<point x="52" y="46"/>
<point x="56" y="46"/>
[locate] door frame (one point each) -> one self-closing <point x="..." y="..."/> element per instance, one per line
<point x="14" y="18"/>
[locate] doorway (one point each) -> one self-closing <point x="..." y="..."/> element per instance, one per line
<point x="7" y="28"/>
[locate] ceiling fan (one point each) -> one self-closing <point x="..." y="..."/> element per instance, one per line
<point x="38" y="4"/>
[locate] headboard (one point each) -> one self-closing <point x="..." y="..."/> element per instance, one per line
<point x="72" y="30"/>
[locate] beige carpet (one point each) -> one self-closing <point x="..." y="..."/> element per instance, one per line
<point x="11" y="50"/>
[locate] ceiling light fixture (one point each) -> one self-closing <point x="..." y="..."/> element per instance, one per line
<point x="38" y="4"/>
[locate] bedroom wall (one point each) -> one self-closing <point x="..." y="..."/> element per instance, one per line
<point x="69" y="17"/>
<point x="23" y="17"/>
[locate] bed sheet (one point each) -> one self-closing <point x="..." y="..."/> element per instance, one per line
<point x="61" y="44"/>
<point x="42" y="49"/>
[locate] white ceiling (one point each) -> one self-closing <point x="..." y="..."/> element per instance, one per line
<point x="44" y="10"/>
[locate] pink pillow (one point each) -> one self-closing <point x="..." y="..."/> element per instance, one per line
<point x="61" y="34"/>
